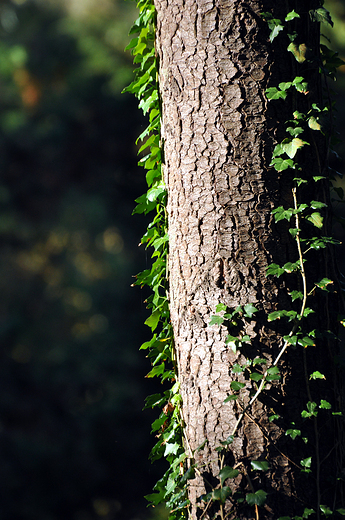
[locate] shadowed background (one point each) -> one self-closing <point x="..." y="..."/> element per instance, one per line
<point x="74" y="443"/>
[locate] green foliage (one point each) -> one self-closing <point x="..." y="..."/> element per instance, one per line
<point x="252" y="374"/>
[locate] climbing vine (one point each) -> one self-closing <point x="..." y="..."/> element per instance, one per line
<point x="168" y="427"/>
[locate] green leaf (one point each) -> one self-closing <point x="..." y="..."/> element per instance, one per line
<point x="273" y="417"/>
<point x="274" y="270"/>
<point x="282" y="214"/>
<point x="341" y="511"/>
<point x="273" y="370"/>
<point x="306" y="463"/>
<point x="221" y="494"/>
<point x="317" y="204"/>
<point x="236" y="385"/>
<point x="311" y="410"/>
<point x="322" y="284"/>
<point x="326" y="510"/>
<point x="314" y="123"/>
<point x="291" y="15"/>
<point x="301" y="52"/>
<point x="316" y="219"/>
<point x="307" y="512"/>
<point x="282" y="164"/>
<point x="274" y="93"/>
<point x="291" y="147"/>
<point x="237" y="369"/>
<point x="306" y="342"/>
<point x="153" y="320"/>
<point x="221" y="307"/>
<point x="156" y="371"/>
<point x="294" y="132"/>
<point x="189" y="475"/>
<point x="258" y="498"/>
<point x="171" y="449"/>
<point x="256" y="376"/>
<point x="230" y="398"/>
<point x="259" y="465"/>
<point x="321" y="15"/>
<point x="325" y="404"/>
<point x="229" y="440"/>
<point x="249" y="310"/>
<point x="316" y="375"/>
<point x="227" y="472"/>
<point x="285" y="85"/>
<point x="296" y="295"/>
<point x="293" y="433"/>
<point x="216" y="320"/>
<point x="259" y="360"/>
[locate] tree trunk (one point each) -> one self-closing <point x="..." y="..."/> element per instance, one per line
<point x="219" y="130"/>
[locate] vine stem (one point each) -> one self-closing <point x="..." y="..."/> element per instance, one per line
<point x="297" y="322"/>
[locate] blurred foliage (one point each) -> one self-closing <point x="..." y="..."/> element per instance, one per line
<point x="335" y="39"/>
<point x="74" y="443"/>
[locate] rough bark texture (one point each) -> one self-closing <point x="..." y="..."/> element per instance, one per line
<point x="218" y="133"/>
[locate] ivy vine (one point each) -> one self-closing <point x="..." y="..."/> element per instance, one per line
<point x="168" y="428"/>
<point x="172" y="488"/>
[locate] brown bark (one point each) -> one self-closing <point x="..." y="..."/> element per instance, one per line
<point x="215" y="63"/>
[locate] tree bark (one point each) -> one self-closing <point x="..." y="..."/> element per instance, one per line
<point x="219" y="132"/>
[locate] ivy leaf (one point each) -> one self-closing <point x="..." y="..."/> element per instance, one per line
<point x="171" y="449"/>
<point x="258" y="361"/>
<point x="229" y="440"/>
<point x="306" y="463"/>
<point x="325" y="405"/>
<point x="314" y="123"/>
<point x="321" y="15"/>
<point x="326" y="510"/>
<point x="301" y="52"/>
<point x="274" y="270"/>
<point x="273" y="417"/>
<point x="317" y="204"/>
<point x="153" y="320"/>
<point x="227" y="472"/>
<point x="156" y="371"/>
<point x="275" y="93"/>
<point x="291" y="15"/>
<point x="256" y="376"/>
<point x="273" y="371"/>
<point x="293" y="433"/>
<point x="189" y="475"/>
<point x="285" y="85"/>
<point x="216" y="320"/>
<point x="236" y="386"/>
<point x="317" y="375"/>
<point x="311" y="410"/>
<point x="316" y="219"/>
<point x="282" y="164"/>
<point x="258" y="498"/>
<point x="221" y="494"/>
<point x="306" y="342"/>
<point x="294" y="131"/>
<point x="291" y="147"/>
<point x="322" y="284"/>
<point x="231" y="397"/>
<point x="282" y="214"/>
<point x="221" y="307"/>
<point x="296" y="295"/>
<point x="341" y="511"/>
<point x="259" y="465"/>
<point x="249" y="310"/>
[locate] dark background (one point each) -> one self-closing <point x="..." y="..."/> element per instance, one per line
<point x="74" y="443"/>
